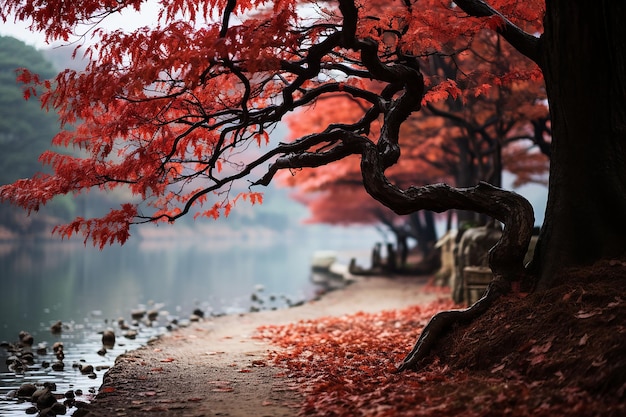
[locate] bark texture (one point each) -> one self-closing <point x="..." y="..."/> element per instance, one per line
<point x="584" y="64"/>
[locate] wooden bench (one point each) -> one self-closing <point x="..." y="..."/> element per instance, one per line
<point x="475" y="282"/>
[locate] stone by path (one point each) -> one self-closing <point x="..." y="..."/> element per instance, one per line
<point x="217" y="368"/>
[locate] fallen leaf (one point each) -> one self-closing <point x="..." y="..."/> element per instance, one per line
<point x="586" y="314"/>
<point x="600" y="361"/>
<point x="616" y="303"/>
<point x="497" y="368"/>
<point x="154" y="409"/>
<point x="542" y="348"/>
<point x="530" y="343"/>
<point x="538" y="359"/>
<point x="222" y="389"/>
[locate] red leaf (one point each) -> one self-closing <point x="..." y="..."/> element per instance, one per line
<point x="542" y="348"/>
<point x="222" y="389"/>
<point x="583" y="340"/>
<point x="586" y="314"/>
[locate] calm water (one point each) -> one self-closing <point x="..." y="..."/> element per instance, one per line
<point x="88" y="290"/>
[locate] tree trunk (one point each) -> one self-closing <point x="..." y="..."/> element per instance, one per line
<point x="584" y="65"/>
<point x="465" y="176"/>
<point x="423" y="227"/>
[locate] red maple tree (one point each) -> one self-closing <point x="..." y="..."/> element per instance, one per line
<point x="460" y="140"/>
<point x="171" y="112"/>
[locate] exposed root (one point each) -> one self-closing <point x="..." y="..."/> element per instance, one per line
<point x="442" y="322"/>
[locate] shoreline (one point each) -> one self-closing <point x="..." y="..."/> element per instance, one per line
<point x="217" y="367"/>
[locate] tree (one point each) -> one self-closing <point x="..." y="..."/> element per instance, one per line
<point x="25" y="132"/>
<point x="336" y="195"/>
<point x="170" y="113"/>
<point x="460" y="140"/>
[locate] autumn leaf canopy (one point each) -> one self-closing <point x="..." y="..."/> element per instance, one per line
<point x="179" y="113"/>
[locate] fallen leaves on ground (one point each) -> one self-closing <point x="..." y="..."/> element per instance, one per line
<point x="196" y="399"/>
<point x="344" y="366"/>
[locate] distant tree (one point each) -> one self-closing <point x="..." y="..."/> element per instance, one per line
<point x="494" y="129"/>
<point x="26" y="131"/>
<point x="171" y="112"/>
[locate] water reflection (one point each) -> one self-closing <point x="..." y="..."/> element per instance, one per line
<point x="45" y="281"/>
<point x="88" y="289"/>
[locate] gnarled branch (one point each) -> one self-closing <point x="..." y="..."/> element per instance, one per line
<point x="524" y="42"/>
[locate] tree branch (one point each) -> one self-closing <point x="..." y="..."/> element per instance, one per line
<point x="524" y="42"/>
<point x="230" y="6"/>
<point x="299" y="158"/>
<point x="514" y="211"/>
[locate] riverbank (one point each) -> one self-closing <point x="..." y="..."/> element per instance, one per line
<point x="217" y="367"/>
<point x="552" y="353"/>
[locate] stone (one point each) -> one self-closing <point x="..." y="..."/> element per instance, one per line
<point x="26" y="338"/>
<point x="26" y="390"/>
<point x="57" y="327"/>
<point x="44" y="398"/>
<point x="108" y="338"/>
<point x="58" y="366"/>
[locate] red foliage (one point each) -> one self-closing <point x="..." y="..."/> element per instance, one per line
<point x="501" y="93"/>
<point x="174" y="114"/>
<point x="106" y="230"/>
<point x="345" y="366"/>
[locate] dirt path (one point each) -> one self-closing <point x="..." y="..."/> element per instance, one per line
<point x="216" y="368"/>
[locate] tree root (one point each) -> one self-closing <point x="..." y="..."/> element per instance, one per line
<point x="442" y="322"/>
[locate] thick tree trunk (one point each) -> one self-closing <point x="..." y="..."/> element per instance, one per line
<point x="584" y="64"/>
